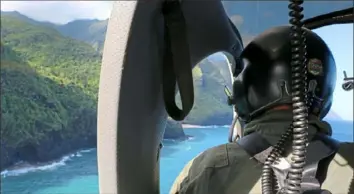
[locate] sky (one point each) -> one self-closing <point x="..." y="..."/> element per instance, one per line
<point x="339" y="38"/>
<point x="60" y="12"/>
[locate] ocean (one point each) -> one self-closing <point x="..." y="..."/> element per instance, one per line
<point x="77" y="173"/>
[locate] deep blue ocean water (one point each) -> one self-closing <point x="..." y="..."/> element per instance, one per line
<point x="77" y="173"/>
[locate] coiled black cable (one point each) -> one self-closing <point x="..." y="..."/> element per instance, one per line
<point x="299" y="97"/>
<point x="300" y="113"/>
<point x="267" y="179"/>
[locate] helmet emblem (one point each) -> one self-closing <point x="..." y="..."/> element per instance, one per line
<point x="315" y="67"/>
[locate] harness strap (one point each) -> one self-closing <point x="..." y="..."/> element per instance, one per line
<point x="319" y="154"/>
<point x="256" y="146"/>
<point x="176" y="62"/>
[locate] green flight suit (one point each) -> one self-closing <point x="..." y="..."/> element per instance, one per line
<point x="228" y="169"/>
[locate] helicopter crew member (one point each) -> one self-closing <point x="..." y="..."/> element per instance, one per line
<point x="262" y="97"/>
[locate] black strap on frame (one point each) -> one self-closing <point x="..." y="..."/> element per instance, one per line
<point x="177" y="63"/>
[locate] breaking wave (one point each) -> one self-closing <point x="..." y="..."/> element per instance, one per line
<point x="22" y="167"/>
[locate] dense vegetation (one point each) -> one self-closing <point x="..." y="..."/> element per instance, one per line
<point x="48" y="91"/>
<point x="49" y="85"/>
<point x="47" y="81"/>
<point x="90" y="31"/>
<point x="210" y="105"/>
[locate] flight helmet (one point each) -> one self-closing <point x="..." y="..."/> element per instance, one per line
<point x="266" y="76"/>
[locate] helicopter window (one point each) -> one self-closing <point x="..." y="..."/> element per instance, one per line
<point x="50" y="64"/>
<point x="268" y="14"/>
<point x="341" y="114"/>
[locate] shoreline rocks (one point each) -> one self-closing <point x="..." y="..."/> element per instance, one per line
<point x="55" y="146"/>
<point x="174" y="130"/>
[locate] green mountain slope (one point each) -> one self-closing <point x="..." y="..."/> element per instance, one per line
<point x="48" y="92"/>
<point x="210" y="105"/>
<point x="49" y="86"/>
<point x="65" y="60"/>
<point x="90" y="31"/>
<point x="41" y="119"/>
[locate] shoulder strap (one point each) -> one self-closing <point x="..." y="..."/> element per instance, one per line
<point x="323" y="164"/>
<point x="319" y="154"/>
<point x="177" y="63"/>
<point x="256" y="146"/>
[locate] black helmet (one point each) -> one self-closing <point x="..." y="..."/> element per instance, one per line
<point x="265" y="81"/>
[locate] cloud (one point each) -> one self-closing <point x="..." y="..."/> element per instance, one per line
<point x="60" y="11"/>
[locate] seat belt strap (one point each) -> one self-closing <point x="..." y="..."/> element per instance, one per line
<point x="176" y="62"/>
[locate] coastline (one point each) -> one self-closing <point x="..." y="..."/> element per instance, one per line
<point x="25" y="167"/>
<point x="189" y="126"/>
